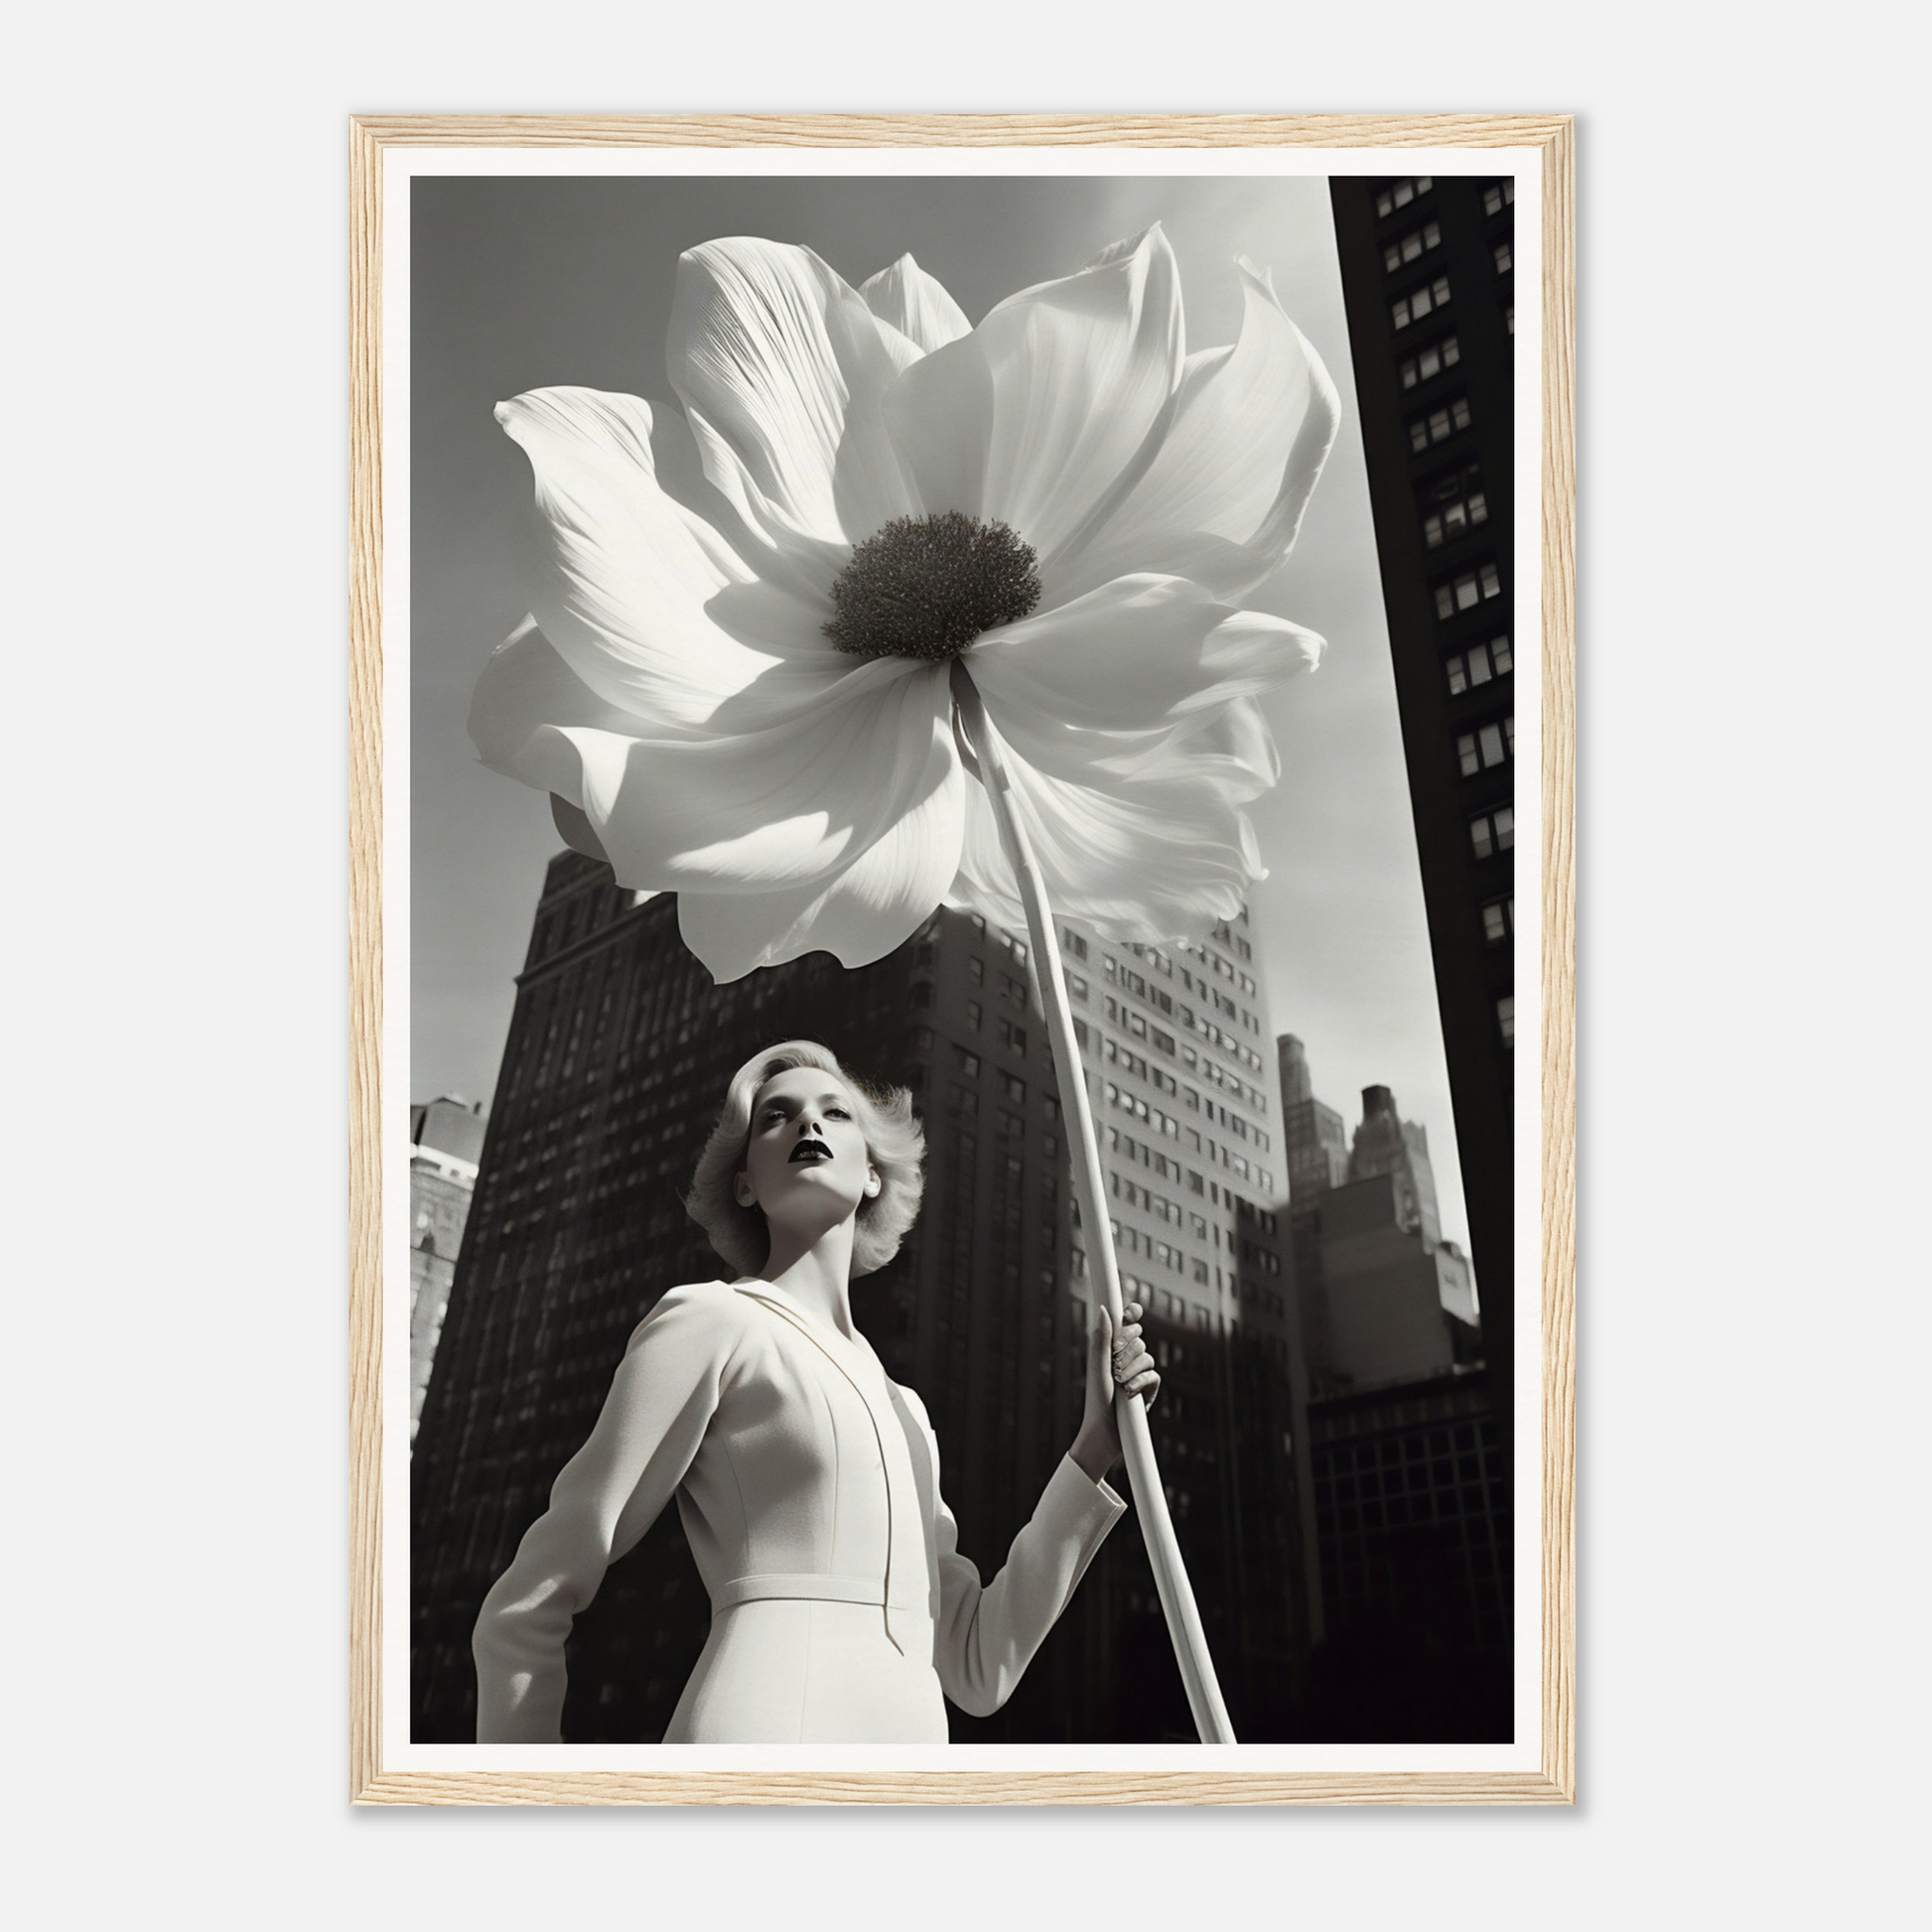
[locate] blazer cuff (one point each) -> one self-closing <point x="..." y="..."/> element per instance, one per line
<point x="1072" y="1491"/>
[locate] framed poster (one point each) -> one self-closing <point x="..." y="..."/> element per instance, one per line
<point x="1214" y="456"/>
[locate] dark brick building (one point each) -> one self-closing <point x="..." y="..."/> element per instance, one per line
<point x="1427" y="274"/>
<point x="1413" y="1514"/>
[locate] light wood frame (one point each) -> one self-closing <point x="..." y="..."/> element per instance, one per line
<point x="1555" y="1779"/>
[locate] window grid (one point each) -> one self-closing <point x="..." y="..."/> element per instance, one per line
<point x="1479" y="665"/>
<point x="1397" y="254"/>
<point x="1439" y="424"/>
<point x="1453" y="505"/>
<point x="1399" y="194"/>
<point x="1493" y="831"/>
<point x="1431" y="361"/>
<point x="1420" y="302"/>
<point x="1466" y="591"/>
<point x="1487" y="747"/>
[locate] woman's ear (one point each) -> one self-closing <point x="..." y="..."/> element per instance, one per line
<point x="873" y="1184"/>
<point x="742" y="1189"/>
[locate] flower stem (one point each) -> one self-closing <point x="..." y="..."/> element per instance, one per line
<point x="1164" y="1552"/>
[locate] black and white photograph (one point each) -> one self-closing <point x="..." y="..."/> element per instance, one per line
<point x="961" y="962"/>
<point x="967" y="964"/>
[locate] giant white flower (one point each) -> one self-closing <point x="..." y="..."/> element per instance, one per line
<point x="735" y="680"/>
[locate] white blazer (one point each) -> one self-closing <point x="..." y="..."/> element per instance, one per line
<point x="807" y="1484"/>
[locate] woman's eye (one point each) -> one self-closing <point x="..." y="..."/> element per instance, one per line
<point x="837" y="1113"/>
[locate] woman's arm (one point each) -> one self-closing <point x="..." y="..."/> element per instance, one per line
<point x="662" y="1400"/>
<point x="1096" y="1449"/>
<point x="988" y="1633"/>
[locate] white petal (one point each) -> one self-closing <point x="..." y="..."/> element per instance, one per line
<point x="526" y="684"/>
<point x="1222" y="498"/>
<point x="1107" y="682"/>
<point x="787" y="806"/>
<point x="576" y="830"/>
<point x="868" y="909"/>
<point x="1032" y="418"/>
<point x="781" y="367"/>
<point x="795" y="564"/>
<point x="625" y="572"/>
<point x="916" y="305"/>
<point x="533" y="719"/>
<point x="1147" y="862"/>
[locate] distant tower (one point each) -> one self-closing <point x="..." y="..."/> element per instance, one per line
<point x="445" y="1138"/>
<point x="1317" y="1136"/>
<point x="1381" y="1295"/>
<point x="1387" y="1144"/>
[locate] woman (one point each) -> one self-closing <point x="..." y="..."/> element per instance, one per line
<point x="806" y="1479"/>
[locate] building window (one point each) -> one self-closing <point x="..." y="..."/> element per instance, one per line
<point x="1410" y="246"/>
<point x="1499" y="194"/>
<point x="976" y="970"/>
<point x="1479" y="665"/>
<point x="1399" y="194"/>
<point x="1499" y="920"/>
<point x="1076" y="986"/>
<point x="1503" y="260"/>
<point x="1453" y="505"/>
<point x="1466" y="591"/>
<point x="1421" y="302"/>
<point x="1431" y="360"/>
<point x="1077" y="947"/>
<point x="1012" y="1038"/>
<point x="1493" y="831"/>
<point x="968" y="1063"/>
<point x="1506" y="1017"/>
<point x="1439" y="424"/>
<point x="1487" y="746"/>
<point x="975" y="1013"/>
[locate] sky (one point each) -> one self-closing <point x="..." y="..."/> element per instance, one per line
<point x="519" y="284"/>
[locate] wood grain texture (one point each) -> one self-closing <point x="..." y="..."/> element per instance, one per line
<point x="962" y="130"/>
<point x="1559" y="963"/>
<point x="960" y="1788"/>
<point x="1555" y="1781"/>
<point x="365" y="956"/>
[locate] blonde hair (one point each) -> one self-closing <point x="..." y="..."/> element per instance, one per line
<point x="895" y="1144"/>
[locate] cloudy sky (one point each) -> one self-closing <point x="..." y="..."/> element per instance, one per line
<point x="520" y="284"/>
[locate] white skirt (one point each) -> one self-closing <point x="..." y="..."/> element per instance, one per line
<point x="786" y="1671"/>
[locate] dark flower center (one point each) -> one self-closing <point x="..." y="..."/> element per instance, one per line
<point x="928" y="586"/>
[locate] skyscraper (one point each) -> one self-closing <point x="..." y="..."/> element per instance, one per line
<point x="1317" y="1136"/>
<point x="617" y="1056"/>
<point x="1427" y="278"/>
<point x="444" y="1143"/>
<point x="1383" y="1295"/>
<point x="1386" y="1144"/>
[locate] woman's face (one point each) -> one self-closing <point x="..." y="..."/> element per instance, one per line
<point x="806" y="1163"/>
